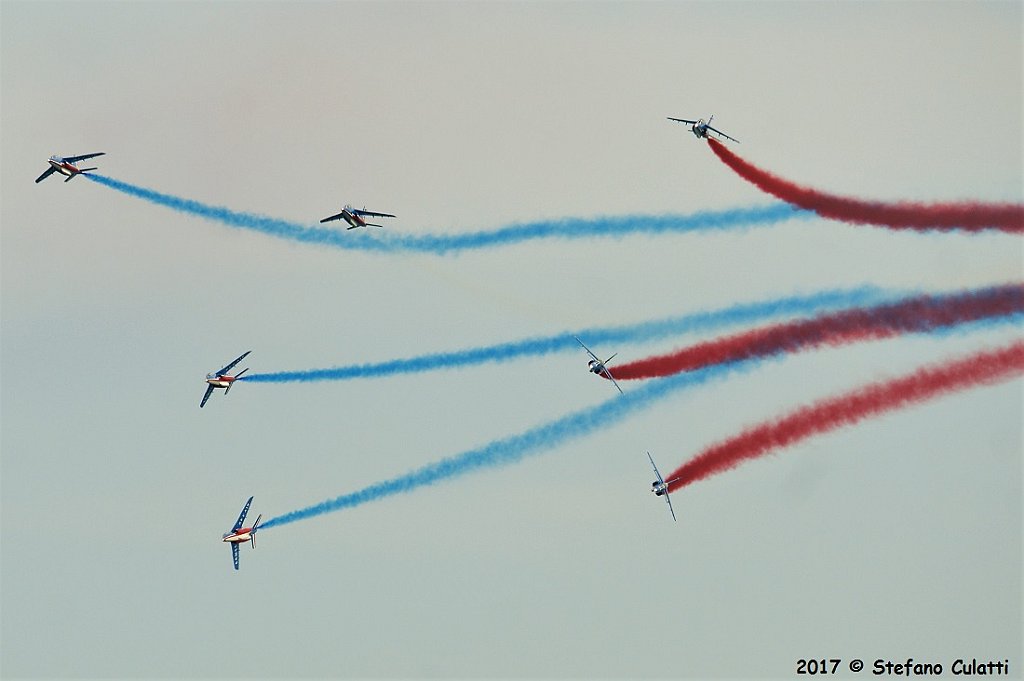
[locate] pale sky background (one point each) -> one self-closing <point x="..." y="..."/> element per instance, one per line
<point x="899" y="537"/>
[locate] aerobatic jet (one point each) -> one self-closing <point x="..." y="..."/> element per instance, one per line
<point x="660" y="487"/>
<point x="65" y="165"/>
<point x="221" y="379"/>
<point x="354" y="217"/>
<point x="596" y="366"/>
<point x="240" y="535"/>
<point x="700" y="128"/>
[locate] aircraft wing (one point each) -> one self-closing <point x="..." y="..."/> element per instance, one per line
<point x="611" y="378"/>
<point x="241" y="516"/>
<point x="46" y="174"/>
<point x="234" y="554"/>
<point x="75" y="159"/>
<point x="228" y="367"/>
<point x="656" y="472"/>
<point x="334" y="217"/>
<point x="682" y="120"/>
<point x="722" y="134"/>
<point x="372" y="214"/>
<point x="587" y="349"/>
<point x="209" y="391"/>
<point x="670" y="509"/>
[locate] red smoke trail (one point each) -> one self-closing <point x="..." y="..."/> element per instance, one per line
<point x="969" y="216"/>
<point x="919" y="314"/>
<point x="876" y="398"/>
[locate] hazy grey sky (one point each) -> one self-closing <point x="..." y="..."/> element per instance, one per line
<point x="900" y="537"/>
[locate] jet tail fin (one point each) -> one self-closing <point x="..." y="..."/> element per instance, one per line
<point x="252" y="534"/>
<point x="237" y="376"/>
<point x="80" y="171"/>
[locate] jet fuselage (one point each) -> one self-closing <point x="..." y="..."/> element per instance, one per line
<point x="241" y="536"/>
<point x="63" y="167"/>
<point x="220" y="381"/>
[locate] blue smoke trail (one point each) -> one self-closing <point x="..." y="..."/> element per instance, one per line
<point x="441" y="244"/>
<point x="737" y="314"/>
<point x="514" y="448"/>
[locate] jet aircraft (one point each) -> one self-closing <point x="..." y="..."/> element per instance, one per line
<point x="700" y="128"/>
<point x="240" y="535"/>
<point x="354" y="217"/>
<point x="660" y="487"/>
<point x="220" y="379"/>
<point x="65" y="165"/>
<point x="598" y="367"/>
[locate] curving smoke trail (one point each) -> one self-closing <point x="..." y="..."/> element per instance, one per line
<point x="920" y="314"/>
<point x="877" y="398"/>
<point x="514" y="448"/>
<point x="441" y="244"/>
<point x="967" y="216"/>
<point x="504" y="352"/>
